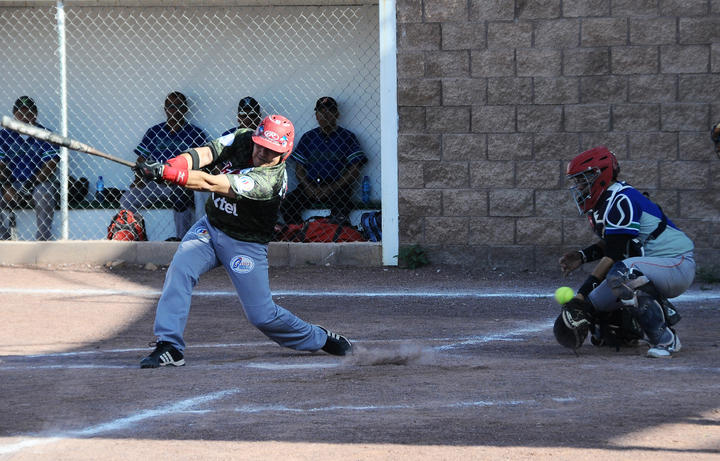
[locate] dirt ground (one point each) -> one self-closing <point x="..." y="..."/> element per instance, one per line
<point x="449" y="363"/>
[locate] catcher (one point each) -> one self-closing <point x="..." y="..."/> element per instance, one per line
<point x="644" y="259"/>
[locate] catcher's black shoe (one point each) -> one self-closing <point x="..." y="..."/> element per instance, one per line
<point x="336" y="344"/>
<point x="163" y="355"/>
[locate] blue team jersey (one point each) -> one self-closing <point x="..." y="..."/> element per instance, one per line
<point x="623" y="210"/>
<point x="160" y="144"/>
<point x="24" y="156"/>
<point x="326" y="157"/>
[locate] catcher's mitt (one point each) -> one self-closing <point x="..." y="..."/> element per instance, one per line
<point x="569" y="337"/>
<point x="577" y="313"/>
<point x="572" y="325"/>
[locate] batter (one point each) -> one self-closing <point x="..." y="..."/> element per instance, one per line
<point x="241" y="214"/>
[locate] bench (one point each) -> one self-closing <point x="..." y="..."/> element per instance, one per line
<point x="89" y="220"/>
<point x="92" y="224"/>
<point x="354" y="214"/>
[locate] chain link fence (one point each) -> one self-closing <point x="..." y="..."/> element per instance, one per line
<point x="134" y="71"/>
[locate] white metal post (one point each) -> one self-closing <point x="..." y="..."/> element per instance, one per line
<point x="63" y="121"/>
<point x="389" y="133"/>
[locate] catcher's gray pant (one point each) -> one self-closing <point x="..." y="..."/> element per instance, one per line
<point x="205" y="247"/>
<point x="144" y="197"/>
<point x="671" y="277"/>
<point x="44" y="198"/>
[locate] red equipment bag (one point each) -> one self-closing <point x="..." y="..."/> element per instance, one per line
<point x="321" y="230"/>
<point x="127" y="226"/>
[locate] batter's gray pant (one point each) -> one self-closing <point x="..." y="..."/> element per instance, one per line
<point x="671" y="276"/>
<point x="205" y="247"/>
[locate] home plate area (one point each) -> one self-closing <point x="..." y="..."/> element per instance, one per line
<point x="441" y="371"/>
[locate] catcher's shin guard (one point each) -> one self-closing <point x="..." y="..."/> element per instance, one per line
<point x="672" y="316"/>
<point x="649" y="314"/>
<point x="627" y="287"/>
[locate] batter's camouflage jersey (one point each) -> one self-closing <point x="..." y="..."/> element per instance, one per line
<point x="251" y="216"/>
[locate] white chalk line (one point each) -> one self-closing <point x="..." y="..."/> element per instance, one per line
<point x="479" y="403"/>
<point x="679" y="368"/>
<point x="478" y="294"/>
<point x="512" y="335"/>
<point x="258" y="365"/>
<point x="185" y="406"/>
<point x="118" y="424"/>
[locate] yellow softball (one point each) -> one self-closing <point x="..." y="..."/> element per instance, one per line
<point x="564" y="294"/>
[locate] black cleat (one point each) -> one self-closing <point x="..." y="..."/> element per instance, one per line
<point x="336" y="344"/>
<point x="163" y="355"/>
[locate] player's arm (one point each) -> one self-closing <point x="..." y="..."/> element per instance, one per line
<point x="301" y="174"/>
<point x="205" y="182"/>
<point x="190" y="179"/>
<point x="193" y="159"/>
<point x="615" y="248"/>
<point x="4" y="174"/>
<point x="6" y="189"/>
<point x="350" y="175"/>
<point x="47" y="170"/>
<point x="574" y="259"/>
<point x="597" y="276"/>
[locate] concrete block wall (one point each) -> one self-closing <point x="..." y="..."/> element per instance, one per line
<point x="496" y="96"/>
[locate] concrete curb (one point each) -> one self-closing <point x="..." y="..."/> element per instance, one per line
<point x="103" y="251"/>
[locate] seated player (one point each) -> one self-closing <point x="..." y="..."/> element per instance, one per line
<point x="161" y="142"/>
<point x="27" y="172"/>
<point x="328" y="161"/>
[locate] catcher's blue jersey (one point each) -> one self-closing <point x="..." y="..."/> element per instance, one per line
<point x="625" y="210"/>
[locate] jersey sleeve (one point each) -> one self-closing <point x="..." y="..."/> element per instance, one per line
<point x="300" y="152"/>
<point x="222" y="148"/>
<point x="48" y="151"/>
<point x="355" y="152"/>
<point x="145" y="148"/>
<point x="253" y="184"/>
<point x="3" y="145"/>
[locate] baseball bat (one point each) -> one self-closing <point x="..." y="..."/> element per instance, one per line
<point x="54" y="138"/>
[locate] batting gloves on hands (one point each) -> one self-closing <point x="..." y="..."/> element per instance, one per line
<point x="157" y="171"/>
<point x="150" y="169"/>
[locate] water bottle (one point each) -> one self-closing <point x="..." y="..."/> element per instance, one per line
<point x="366" y="189"/>
<point x="100" y="190"/>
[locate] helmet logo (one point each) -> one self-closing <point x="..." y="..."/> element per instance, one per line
<point x="271" y="135"/>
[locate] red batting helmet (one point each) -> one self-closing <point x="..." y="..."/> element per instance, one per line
<point x="592" y="172"/>
<point x="275" y="133"/>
